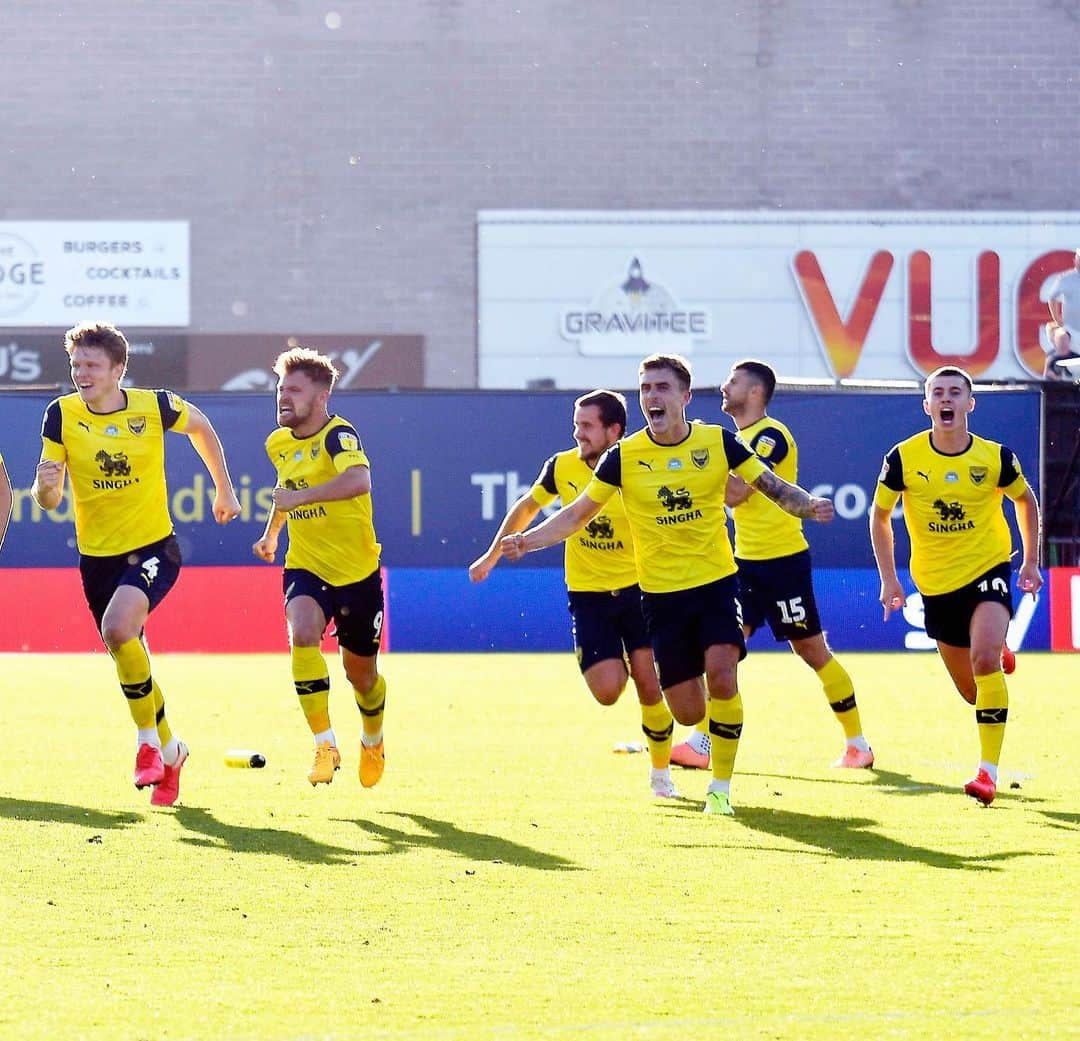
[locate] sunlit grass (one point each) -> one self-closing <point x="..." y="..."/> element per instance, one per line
<point x="512" y="878"/>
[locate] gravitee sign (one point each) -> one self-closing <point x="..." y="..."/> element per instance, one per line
<point x="579" y="297"/>
<point x="131" y="273"/>
<point x="245" y="362"/>
<point x="37" y="358"/>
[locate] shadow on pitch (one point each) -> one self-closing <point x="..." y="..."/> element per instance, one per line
<point x="893" y="782"/>
<point x="62" y="813"/>
<point x="1064" y="821"/>
<point x="472" y="845"/>
<point x="212" y="833"/>
<point x="850" y="838"/>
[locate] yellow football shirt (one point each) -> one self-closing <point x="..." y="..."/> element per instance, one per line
<point x="599" y="557"/>
<point x="953" y="507"/>
<point x="674" y="500"/>
<point x="763" y="530"/>
<point x="334" y="540"/>
<point x="116" y="463"/>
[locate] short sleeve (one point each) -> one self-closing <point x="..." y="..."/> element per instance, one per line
<point x="544" y="489"/>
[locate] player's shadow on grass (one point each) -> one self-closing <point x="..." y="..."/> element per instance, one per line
<point x="890" y="781"/>
<point x="849" y="838"/>
<point x="1064" y="821"/>
<point x="900" y="784"/>
<point x="472" y="845"/>
<point x="62" y="813"/>
<point x="215" y="834"/>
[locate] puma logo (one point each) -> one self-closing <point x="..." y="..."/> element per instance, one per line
<point x="648" y="466"/>
<point x="85" y="426"/>
<point x="925" y="477"/>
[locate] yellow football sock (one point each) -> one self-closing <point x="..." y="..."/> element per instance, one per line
<point x="133" y="670"/>
<point x="658" y="725"/>
<point x="840" y="693"/>
<point x="164" y="730"/>
<point x="312" y="681"/>
<point x="725" y="729"/>
<point x="372" y="706"/>
<point x="991" y="713"/>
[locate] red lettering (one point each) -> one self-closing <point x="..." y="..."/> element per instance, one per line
<point x="924" y="355"/>
<point x="842" y="341"/>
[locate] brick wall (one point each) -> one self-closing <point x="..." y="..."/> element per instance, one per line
<point x="332" y="174"/>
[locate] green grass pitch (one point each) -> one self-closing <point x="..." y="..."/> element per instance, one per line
<point x="512" y="878"/>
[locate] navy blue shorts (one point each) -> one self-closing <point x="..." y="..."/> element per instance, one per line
<point x="683" y="624"/>
<point x="948" y="616"/>
<point x="781" y="592"/>
<point x="356" y="609"/>
<point x="154" y="569"/>
<point x="607" y="625"/>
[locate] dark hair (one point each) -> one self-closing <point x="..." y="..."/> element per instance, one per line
<point x="763" y="374"/>
<point x="949" y="370"/>
<point x="612" y="406"/>
<point x="676" y="362"/>
<point x="102" y="335"/>
<point x="317" y="367"/>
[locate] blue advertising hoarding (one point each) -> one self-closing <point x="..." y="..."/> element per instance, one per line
<point x="446" y="466"/>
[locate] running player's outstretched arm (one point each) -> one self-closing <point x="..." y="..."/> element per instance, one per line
<point x="557" y="528"/>
<point x="793" y="499"/>
<point x="5" y="501"/>
<point x="519" y="516"/>
<point x="204" y="439"/>
<point x="1027" y="520"/>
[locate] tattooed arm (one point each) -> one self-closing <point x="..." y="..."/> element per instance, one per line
<point x="793" y="499"/>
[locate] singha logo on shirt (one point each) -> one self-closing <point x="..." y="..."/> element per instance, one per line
<point x="949" y="511"/>
<point x="953" y="517"/>
<point x="115" y="471"/>
<point x="675" y="500"/>
<point x="679" y="505"/>
<point x="600" y="528"/>
<point x="114" y="464"/>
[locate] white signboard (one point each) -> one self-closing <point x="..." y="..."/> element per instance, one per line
<point x="579" y="298"/>
<point x="58" y="273"/>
